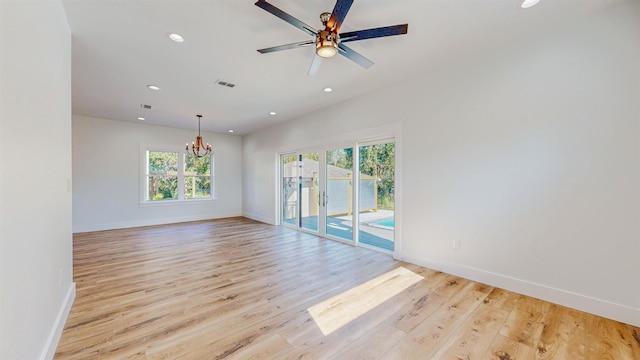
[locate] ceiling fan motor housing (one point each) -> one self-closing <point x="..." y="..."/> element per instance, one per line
<point x="327" y="43"/>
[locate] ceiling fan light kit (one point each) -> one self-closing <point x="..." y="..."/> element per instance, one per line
<point x="328" y="41"/>
<point x="327" y="44"/>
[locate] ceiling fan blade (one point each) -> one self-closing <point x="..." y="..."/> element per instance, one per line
<point x="354" y="56"/>
<point x="286" y="47"/>
<point x="286" y="17"/>
<point x="374" y="33"/>
<point x="338" y="14"/>
<point x="315" y="65"/>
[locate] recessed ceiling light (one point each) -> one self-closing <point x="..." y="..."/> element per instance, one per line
<point x="176" y="37"/>
<point x="528" y="3"/>
<point x="327" y="89"/>
<point x="231" y="131"/>
<point x="272" y="113"/>
<point x="153" y="87"/>
<point x="141" y="118"/>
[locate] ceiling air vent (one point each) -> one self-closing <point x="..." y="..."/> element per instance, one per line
<point x="225" y="83"/>
<point x="145" y="106"/>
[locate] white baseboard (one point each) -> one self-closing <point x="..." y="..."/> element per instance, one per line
<point x="56" y="331"/>
<point x="581" y="302"/>
<point x="150" y="222"/>
<point x="257" y="217"/>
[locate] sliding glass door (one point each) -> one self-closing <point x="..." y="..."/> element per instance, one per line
<point x="376" y="195"/>
<point x="319" y="193"/>
<point x="308" y="171"/>
<point x="338" y="191"/>
<point x="299" y="190"/>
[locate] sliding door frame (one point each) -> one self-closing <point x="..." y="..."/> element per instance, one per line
<point x="356" y="217"/>
<point x="366" y="137"/>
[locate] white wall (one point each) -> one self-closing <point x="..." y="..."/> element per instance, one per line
<point x="106" y="175"/>
<point x="528" y="154"/>
<point x="35" y="153"/>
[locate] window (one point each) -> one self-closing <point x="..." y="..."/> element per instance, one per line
<point x="197" y="176"/>
<point x="162" y="175"/>
<point x="176" y="175"/>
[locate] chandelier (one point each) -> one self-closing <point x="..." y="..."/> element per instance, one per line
<point x="197" y="147"/>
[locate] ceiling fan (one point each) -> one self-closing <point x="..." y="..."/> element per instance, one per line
<point x="329" y="41"/>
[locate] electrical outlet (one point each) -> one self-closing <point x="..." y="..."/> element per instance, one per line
<point x="455" y="243"/>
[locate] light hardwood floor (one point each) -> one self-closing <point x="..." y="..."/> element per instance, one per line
<point x="235" y="288"/>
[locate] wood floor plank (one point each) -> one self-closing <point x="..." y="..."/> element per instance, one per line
<point x="371" y="345"/>
<point x="524" y="323"/>
<point x="429" y="301"/>
<point x="236" y="288"/>
<point x="561" y="326"/>
<point x="504" y="348"/>
<point x="608" y="340"/>
<point x="634" y="339"/>
<point x="429" y="336"/>
<point x="502" y="299"/>
<point x="273" y="347"/>
<point x="475" y="335"/>
<point x="339" y="310"/>
<point x="328" y="343"/>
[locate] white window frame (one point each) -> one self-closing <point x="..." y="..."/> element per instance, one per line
<point x="144" y="185"/>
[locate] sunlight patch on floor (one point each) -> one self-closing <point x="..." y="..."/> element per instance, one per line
<point x="341" y="309"/>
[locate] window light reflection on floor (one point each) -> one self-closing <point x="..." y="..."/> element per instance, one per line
<point x="341" y="309"/>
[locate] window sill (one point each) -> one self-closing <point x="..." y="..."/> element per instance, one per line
<point x="174" y="202"/>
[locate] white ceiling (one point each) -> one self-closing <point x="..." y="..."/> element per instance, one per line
<point x="120" y="47"/>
